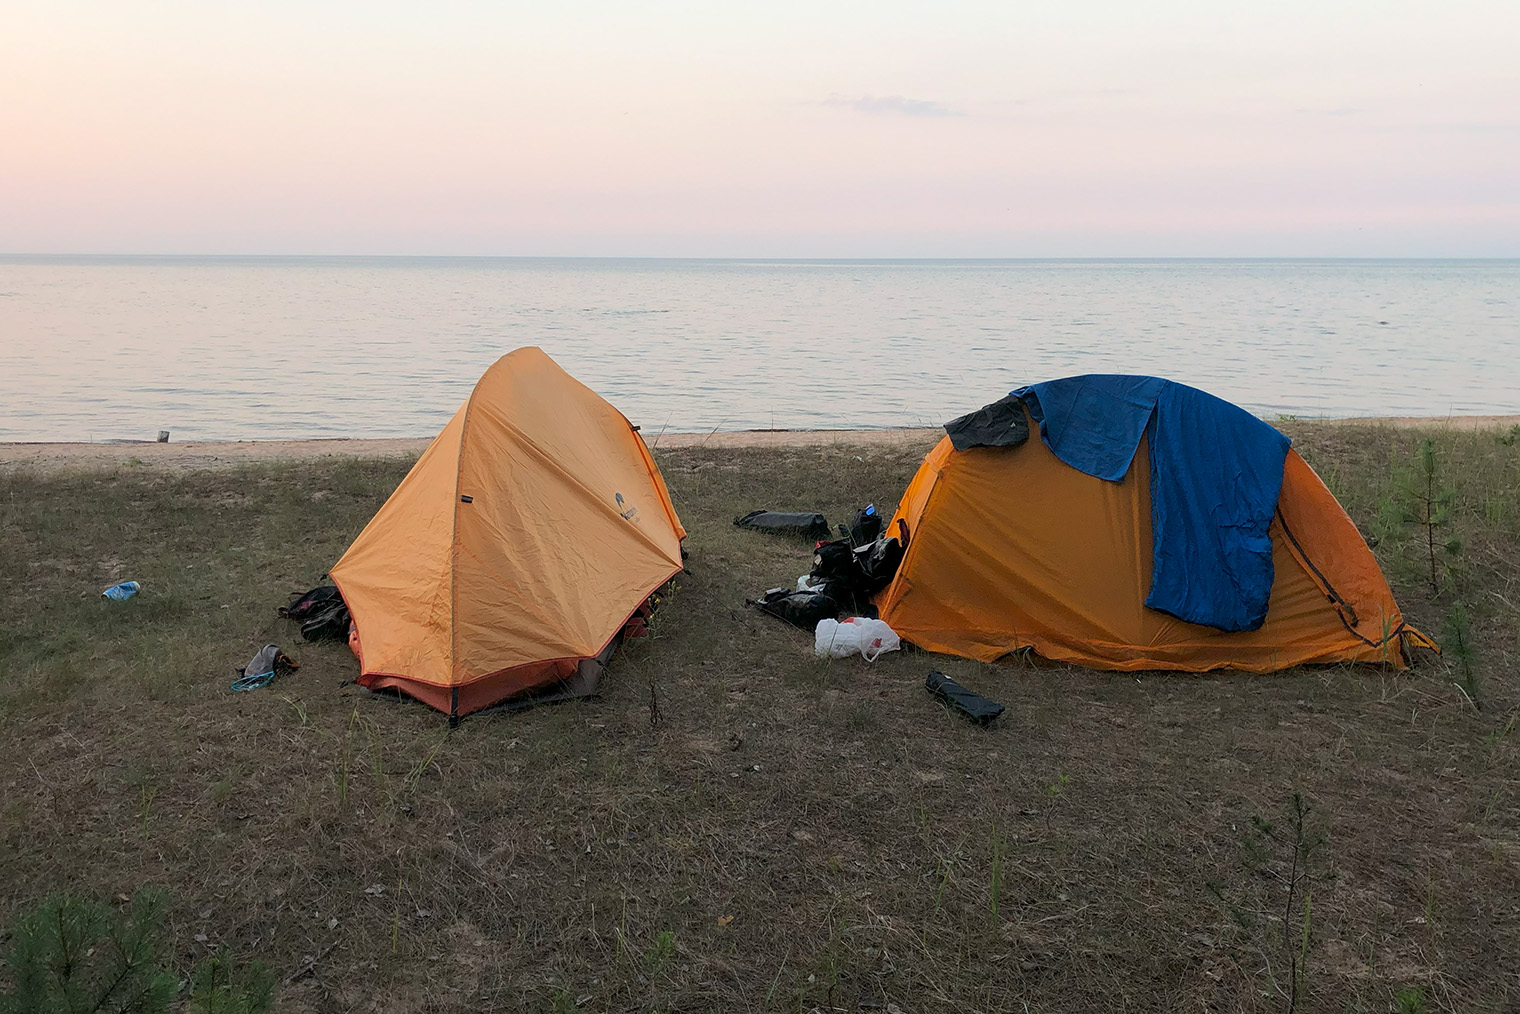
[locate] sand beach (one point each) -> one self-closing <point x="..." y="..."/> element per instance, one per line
<point x="197" y="455"/>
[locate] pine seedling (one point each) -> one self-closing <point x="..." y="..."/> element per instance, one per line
<point x="995" y="892"/>
<point x="1459" y="647"/>
<point x="1410" y="1000"/>
<point x="70" y="954"/>
<point x="217" y="987"/>
<point x="1287" y="852"/>
<point x="660" y="953"/>
<point x="1303" y="842"/>
<point x="1426" y="505"/>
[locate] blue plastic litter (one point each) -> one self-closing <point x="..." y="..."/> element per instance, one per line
<point x="122" y="592"/>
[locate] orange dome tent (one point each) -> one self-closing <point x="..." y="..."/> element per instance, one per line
<point x="530" y="533"/>
<point x="1010" y="547"/>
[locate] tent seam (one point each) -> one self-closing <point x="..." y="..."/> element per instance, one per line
<point x="1336" y="600"/>
<point x="900" y="580"/>
<point x="653" y="468"/>
<point x="464" y="434"/>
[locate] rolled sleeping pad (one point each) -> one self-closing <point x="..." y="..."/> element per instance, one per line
<point x="808" y="526"/>
<point x="973" y="705"/>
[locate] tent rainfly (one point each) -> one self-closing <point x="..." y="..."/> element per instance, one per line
<point x="1150" y="526"/>
<point x="527" y="540"/>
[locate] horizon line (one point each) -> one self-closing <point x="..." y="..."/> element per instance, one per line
<point x="1097" y="258"/>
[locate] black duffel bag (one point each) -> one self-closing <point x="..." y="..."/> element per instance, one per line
<point x="799" y="608"/>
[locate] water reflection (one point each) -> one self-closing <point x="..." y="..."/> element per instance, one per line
<point x="99" y="348"/>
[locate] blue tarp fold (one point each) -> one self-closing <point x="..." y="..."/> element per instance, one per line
<point x="1216" y="472"/>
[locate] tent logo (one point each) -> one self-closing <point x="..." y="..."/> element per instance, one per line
<point x="628" y="513"/>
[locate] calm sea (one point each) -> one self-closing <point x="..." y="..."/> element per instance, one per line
<point x="243" y="348"/>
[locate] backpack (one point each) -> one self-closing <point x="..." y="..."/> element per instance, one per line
<point x="852" y="574"/>
<point x="308" y="603"/>
<point x="329" y="622"/>
<point x="865" y="527"/>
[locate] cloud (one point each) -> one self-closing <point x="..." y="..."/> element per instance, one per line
<point x="892" y="105"/>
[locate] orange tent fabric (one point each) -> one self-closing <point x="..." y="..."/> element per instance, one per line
<point x="525" y="537"/>
<point x="1010" y="548"/>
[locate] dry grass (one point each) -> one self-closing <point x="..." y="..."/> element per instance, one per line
<point x="794" y="835"/>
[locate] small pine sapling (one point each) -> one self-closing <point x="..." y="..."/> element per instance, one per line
<point x="1426" y="504"/>
<point x="218" y="987"/>
<point x="70" y="954"/>
<point x="995" y="888"/>
<point x="1459" y="647"/>
<point x="1410" y="1000"/>
<point x="1282" y="855"/>
<point x="1301" y="843"/>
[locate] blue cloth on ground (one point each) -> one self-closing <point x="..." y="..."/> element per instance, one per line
<point x="1216" y="473"/>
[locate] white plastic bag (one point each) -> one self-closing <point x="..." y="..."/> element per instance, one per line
<point x="871" y="638"/>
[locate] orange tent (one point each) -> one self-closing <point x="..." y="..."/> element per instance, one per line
<point x="1010" y="547"/>
<point x="530" y="533"/>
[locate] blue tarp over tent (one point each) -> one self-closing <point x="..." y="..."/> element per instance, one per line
<point x="1216" y="472"/>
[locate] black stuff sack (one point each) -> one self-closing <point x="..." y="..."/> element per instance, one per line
<point x="834" y="561"/>
<point x="973" y="705"/>
<point x="877" y="564"/>
<point x="803" y="526"/>
<point x="836" y="574"/>
<point x="800" y="609"/>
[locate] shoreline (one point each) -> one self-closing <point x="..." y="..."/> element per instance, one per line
<point x="192" y="455"/>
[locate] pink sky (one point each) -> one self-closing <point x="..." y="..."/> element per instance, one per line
<point x="785" y="129"/>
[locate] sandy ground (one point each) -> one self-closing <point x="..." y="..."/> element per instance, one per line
<point x="195" y="455"/>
